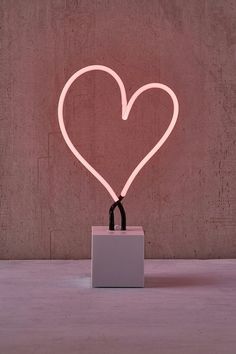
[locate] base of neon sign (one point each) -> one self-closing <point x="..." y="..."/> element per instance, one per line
<point x="117" y="257"/>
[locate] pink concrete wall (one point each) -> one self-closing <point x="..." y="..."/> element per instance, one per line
<point x="186" y="197"/>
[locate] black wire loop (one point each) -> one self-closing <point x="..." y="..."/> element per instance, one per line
<point x="122" y="214"/>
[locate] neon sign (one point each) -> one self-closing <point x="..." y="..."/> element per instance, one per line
<point x="126" y="108"/>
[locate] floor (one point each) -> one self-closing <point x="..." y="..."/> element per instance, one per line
<point x="49" y="307"/>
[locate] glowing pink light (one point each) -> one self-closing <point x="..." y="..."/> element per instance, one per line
<point x="126" y="108"/>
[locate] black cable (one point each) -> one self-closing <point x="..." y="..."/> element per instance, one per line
<point x="122" y="214"/>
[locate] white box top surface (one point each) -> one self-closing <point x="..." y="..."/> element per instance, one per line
<point x="104" y="230"/>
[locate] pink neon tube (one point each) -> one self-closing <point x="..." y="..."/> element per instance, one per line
<point x="126" y="108"/>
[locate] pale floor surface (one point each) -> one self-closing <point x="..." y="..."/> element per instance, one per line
<point x="49" y="307"/>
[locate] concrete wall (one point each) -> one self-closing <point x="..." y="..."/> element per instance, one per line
<point x="185" y="198"/>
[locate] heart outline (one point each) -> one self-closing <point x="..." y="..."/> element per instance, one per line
<point x="126" y="108"/>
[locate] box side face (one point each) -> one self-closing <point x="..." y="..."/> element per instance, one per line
<point x="117" y="261"/>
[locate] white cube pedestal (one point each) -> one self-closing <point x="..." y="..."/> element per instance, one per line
<point x="117" y="257"/>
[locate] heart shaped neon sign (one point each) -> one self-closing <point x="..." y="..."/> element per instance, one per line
<point x="126" y="108"/>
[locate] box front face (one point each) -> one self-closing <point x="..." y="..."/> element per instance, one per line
<point x="117" y="260"/>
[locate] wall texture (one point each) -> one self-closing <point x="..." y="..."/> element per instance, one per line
<point x="185" y="198"/>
